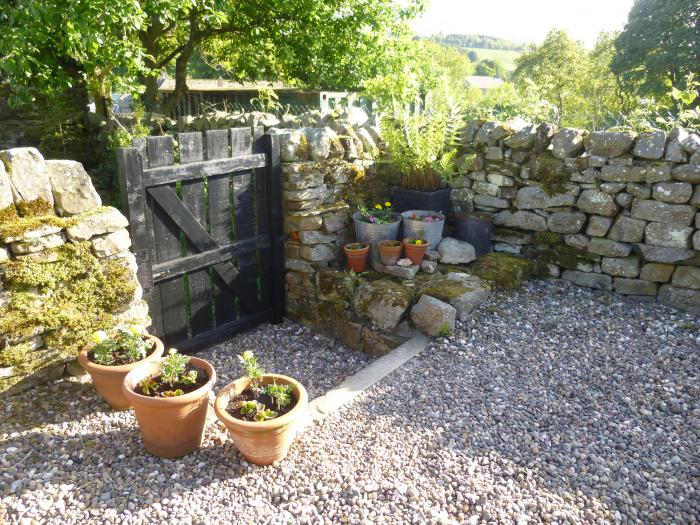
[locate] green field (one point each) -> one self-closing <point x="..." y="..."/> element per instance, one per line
<point x="507" y="58"/>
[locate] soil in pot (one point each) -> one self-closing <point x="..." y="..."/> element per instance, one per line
<point x="159" y="388"/>
<point x="390" y="252"/>
<point x="260" y="397"/>
<point x="120" y="356"/>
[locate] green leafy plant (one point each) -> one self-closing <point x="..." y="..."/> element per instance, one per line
<point x="262" y="413"/>
<point x="148" y="385"/>
<point x="281" y="394"/>
<point x="172" y="369"/>
<point x="248" y="407"/>
<point x="125" y="344"/>
<point x="267" y="100"/>
<point x="265" y="414"/>
<point x="173" y="393"/>
<point x="444" y="330"/>
<point x="253" y="370"/>
<point x="379" y="214"/>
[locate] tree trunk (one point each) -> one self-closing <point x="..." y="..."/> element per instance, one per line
<point x="180" y="79"/>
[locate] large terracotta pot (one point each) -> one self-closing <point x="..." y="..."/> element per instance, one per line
<point x="262" y="442"/>
<point x="171" y="427"/>
<point x="108" y="379"/>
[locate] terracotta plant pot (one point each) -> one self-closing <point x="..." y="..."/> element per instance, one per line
<point x="390" y="252"/>
<point x="414" y="251"/>
<point x="171" y="427"/>
<point x="356" y="254"/>
<point x="108" y="379"/>
<point x="262" y="442"/>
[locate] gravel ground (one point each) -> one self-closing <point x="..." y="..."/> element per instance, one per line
<point x="552" y="404"/>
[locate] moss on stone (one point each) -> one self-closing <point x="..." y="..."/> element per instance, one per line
<point x="8" y="215"/>
<point x="445" y="289"/>
<point x="65" y="300"/>
<point x="385" y="291"/>
<point x="500" y="231"/>
<point x="570" y="257"/>
<point x="551" y="174"/>
<point x="35" y="208"/>
<point x="548" y="238"/>
<point x="15" y="226"/>
<point x="303" y="150"/>
<point x="502" y="269"/>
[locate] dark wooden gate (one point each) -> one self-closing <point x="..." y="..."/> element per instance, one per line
<point x="206" y="232"/>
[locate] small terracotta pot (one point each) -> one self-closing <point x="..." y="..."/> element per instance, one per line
<point x="390" y="254"/>
<point x="415" y="252"/>
<point x="108" y="380"/>
<point x="262" y="442"/>
<point x="357" y="259"/>
<point x="171" y="427"/>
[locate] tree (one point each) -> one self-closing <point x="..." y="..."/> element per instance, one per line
<point x="473" y="56"/>
<point x="128" y="44"/>
<point x="490" y="68"/>
<point x="659" y="46"/>
<point x="557" y="67"/>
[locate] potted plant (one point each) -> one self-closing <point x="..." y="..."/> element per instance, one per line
<point x="422" y="147"/>
<point x="356" y="255"/>
<point x="261" y="412"/>
<point x="424" y="224"/>
<point x="170" y="398"/>
<point x="415" y="249"/>
<point x="378" y="224"/>
<point x="108" y="358"/>
<point x="390" y="252"/>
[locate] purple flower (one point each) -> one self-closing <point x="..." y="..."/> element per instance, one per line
<point x="371" y="218"/>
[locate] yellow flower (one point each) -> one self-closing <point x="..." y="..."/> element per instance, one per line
<point x="98" y="337"/>
<point x="387" y="204"/>
<point x="419" y="242"/>
<point x="378" y="206"/>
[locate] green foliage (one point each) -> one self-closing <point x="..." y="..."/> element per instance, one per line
<point x="659" y="47"/>
<point x="253" y="370"/>
<point x="172" y="369"/>
<point x="490" y="68"/>
<point x="379" y="214"/>
<point x="148" y="386"/>
<point x="444" y="330"/>
<point x="478" y="41"/>
<point x="262" y="413"/>
<point x="267" y="101"/>
<point x="128" y="344"/>
<point x="281" y="394"/>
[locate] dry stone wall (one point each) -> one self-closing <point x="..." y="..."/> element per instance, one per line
<point x="65" y="267"/>
<point x="610" y="210"/>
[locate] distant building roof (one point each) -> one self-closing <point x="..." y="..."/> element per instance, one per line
<point x="484" y="82"/>
<point x="167" y="85"/>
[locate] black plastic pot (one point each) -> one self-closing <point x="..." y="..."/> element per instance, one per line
<point x="438" y="200"/>
<point x="476" y="229"/>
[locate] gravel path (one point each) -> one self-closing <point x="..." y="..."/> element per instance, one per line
<point x="552" y="404"/>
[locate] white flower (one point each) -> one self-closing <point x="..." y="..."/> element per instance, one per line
<point x="135" y="329"/>
<point x="247" y="354"/>
<point x="172" y="351"/>
<point x="98" y="337"/>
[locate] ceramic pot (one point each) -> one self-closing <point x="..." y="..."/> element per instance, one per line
<point x="262" y="442"/>
<point x="357" y="259"/>
<point x="389" y="254"/>
<point x="108" y="380"/>
<point x="414" y="251"/>
<point x="171" y="427"/>
<point x="430" y="231"/>
<point x="372" y="233"/>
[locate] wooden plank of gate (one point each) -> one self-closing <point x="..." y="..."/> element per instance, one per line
<point x="273" y="181"/>
<point x="244" y="212"/>
<point x="193" y="195"/>
<point x="220" y="219"/>
<point x="167" y="243"/>
<point x="261" y="214"/>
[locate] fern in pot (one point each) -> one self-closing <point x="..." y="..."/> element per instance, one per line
<point x="423" y="147"/>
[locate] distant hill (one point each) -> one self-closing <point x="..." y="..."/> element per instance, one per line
<point x="485" y="47"/>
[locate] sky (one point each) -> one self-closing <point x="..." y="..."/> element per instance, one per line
<point x="524" y="20"/>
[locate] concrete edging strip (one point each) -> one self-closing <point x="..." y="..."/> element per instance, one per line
<point x="362" y="380"/>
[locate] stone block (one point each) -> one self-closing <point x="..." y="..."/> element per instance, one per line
<point x="596" y="202"/>
<point x="26" y="169"/>
<point x="316" y="252"/>
<point x="462" y="291"/>
<point x="577" y="241"/>
<point x="687" y="173"/>
<point x="676" y="214"/>
<point x="657" y="173"/>
<point x="106" y="220"/>
<point x="691" y="144"/>
<point x="73" y="192"/>
<point x="624" y="199"/>
<point x="666" y="255"/>
<point x="483" y="135"/>
<point x="317" y="237"/>
<point x="590" y="280"/>
<point x="493" y="153"/>
<point x="485" y="188"/>
<point x="111" y="243"/>
<point x="627" y="229"/>
<point x="324" y="143"/>
<point x="609" y="144"/>
<point x="39" y="244"/>
<point x="566" y="222"/>
<point x="673" y="192"/>
<point x="659" y="234"/>
<point x="674" y="150"/>
<point x="687" y="277"/>
<point x="659" y="273"/>
<point x="453" y="251"/>
<point x="377" y="343"/>
<point x="522" y="139"/>
<point x="634" y="286"/>
<point x="5" y="189"/>
<point x="520" y="219"/>
<point x="620" y="266"/>
<point x="650" y="145"/>
<point x="568" y="142"/>
<point x="608" y="248"/>
<point x="428" y="266"/>
<point x="598" y="226"/>
<point x="641" y="191"/>
<point x="294" y="145"/>
<point x="681" y="298"/>
<point x="308" y="194"/>
<point x="302" y="222"/>
<point x="384" y="302"/>
<point x="611" y="188"/>
<point x="333" y="222"/>
<point x="511" y="236"/>
<point x="623" y="173"/>
<point x="433" y="316"/>
<point x="490" y="202"/>
<point x="696" y="240"/>
<point x="298" y="265"/>
<point x="695" y="199"/>
<point x="499" y="179"/>
<point x="400" y="272"/>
